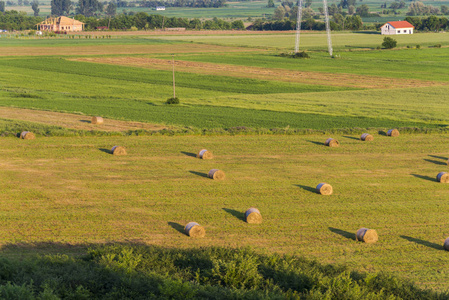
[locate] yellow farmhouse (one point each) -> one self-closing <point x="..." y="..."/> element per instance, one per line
<point x="60" y="24"/>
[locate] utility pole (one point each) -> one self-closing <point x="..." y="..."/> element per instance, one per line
<point x="298" y="25"/>
<point x="173" y="63"/>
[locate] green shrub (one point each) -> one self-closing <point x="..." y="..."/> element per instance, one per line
<point x="389" y="43"/>
<point x="418" y="46"/>
<point x="151" y="272"/>
<point x="172" y="100"/>
<point x="437" y="46"/>
<point x="302" y="54"/>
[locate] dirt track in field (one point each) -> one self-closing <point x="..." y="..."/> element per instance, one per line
<point x="119" y="49"/>
<point x="71" y="120"/>
<point x="330" y="79"/>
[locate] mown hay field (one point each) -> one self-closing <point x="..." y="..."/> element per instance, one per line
<point x="62" y="190"/>
<point x="65" y="187"/>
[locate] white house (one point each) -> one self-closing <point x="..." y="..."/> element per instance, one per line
<point x="397" y="27"/>
<point x="160" y="7"/>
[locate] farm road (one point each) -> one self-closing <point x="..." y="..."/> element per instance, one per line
<point x="72" y="121"/>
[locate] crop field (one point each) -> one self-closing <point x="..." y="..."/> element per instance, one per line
<point x="264" y="117"/>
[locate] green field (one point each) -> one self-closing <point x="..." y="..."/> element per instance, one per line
<point x="265" y="118"/>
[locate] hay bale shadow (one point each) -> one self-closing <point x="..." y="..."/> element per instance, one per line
<point x="423" y="242"/>
<point x="346" y="234"/>
<point x="238" y="214"/>
<point x="437" y="162"/>
<point x="351" y="137"/>
<point x="439" y="157"/>
<point x="307" y="188"/>
<point x="178" y="227"/>
<point x="425" y="177"/>
<point x="316" y="143"/>
<point x="199" y="173"/>
<point x="382" y="132"/>
<point x="85" y="121"/>
<point x="108" y="151"/>
<point x="188" y="153"/>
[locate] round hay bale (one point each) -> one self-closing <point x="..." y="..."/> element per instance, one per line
<point x="204" y="154"/>
<point x="118" y="150"/>
<point x="393" y="132"/>
<point x="97" y="120"/>
<point x="332" y="142"/>
<point x="366" y="137"/>
<point x="27" y="135"/>
<point x="324" y="189"/>
<point x="366" y="235"/>
<point x="446" y="244"/>
<point x="443" y="177"/>
<point x="216" y="174"/>
<point x="253" y="216"/>
<point x="195" y="230"/>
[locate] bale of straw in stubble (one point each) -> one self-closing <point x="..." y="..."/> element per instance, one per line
<point x="216" y="174"/>
<point x="443" y="177"/>
<point x="393" y="132"/>
<point x="97" y="120"/>
<point x="446" y="244"/>
<point x="366" y="137"/>
<point x="366" y="235"/>
<point x="204" y="154"/>
<point x="324" y="189"/>
<point x="253" y="216"/>
<point x="118" y="150"/>
<point x="332" y="142"/>
<point x="195" y="230"/>
<point x="27" y="135"/>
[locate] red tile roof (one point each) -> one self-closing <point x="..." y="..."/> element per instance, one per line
<point x="401" y="24"/>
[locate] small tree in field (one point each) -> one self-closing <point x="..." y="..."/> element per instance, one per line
<point x="389" y="43"/>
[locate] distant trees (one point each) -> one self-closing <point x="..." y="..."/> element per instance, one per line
<point x="14" y="20"/>
<point x="111" y="9"/>
<point x="89" y="7"/>
<point x="363" y="10"/>
<point x="397" y="5"/>
<point x="431" y="23"/>
<point x="417" y="8"/>
<point x="270" y="3"/>
<point x="279" y="13"/>
<point x="2" y="6"/>
<point x="35" y="7"/>
<point x="61" y="7"/>
<point x="444" y="9"/>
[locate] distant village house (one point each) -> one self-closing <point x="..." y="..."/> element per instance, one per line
<point x="159" y="8"/>
<point x="59" y="24"/>
<point x="397" y="27"/>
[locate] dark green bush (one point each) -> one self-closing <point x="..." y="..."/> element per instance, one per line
<point x="172" y="100"/>
<point x="389" y="43"/>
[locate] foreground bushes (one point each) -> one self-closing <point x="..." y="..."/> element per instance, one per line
<point x="148" y="272"/>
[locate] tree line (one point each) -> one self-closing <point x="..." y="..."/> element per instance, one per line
<point x="14" y="20"/>
<point x="431" y="23"/>
<point x="144" y="21"/>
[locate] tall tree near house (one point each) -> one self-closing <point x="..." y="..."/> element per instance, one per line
<point x="88" y="7"/>
<point x="111" y="9"/>
<point x="35" y="7"/>
<point x="61" y="7"/>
